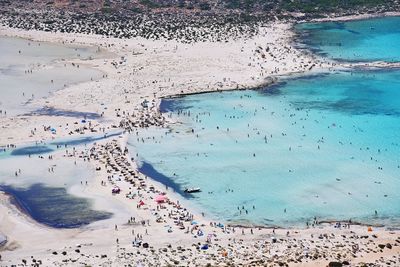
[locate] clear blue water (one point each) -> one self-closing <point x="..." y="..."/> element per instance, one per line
<point x="362" y="40"/>
<point x="325" y="146"/>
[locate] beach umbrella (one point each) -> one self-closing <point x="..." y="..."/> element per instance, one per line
<point x="204" y="247"/>
<point x="161" y="198"/>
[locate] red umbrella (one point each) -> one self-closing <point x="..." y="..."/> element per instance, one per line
<point x="161" y="198"/>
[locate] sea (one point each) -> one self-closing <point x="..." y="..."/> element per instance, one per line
<point x="322" y="146"/>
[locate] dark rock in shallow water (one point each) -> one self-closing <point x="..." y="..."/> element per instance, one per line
<point x="31" y="150"/>
<point x="54" y="207"/>
<point x="148" y="169"/>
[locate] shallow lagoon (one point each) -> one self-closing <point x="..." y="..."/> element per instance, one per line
<point x="57" y="198"/>
<point x="54" y="206"/>
<point x="361" y="40"/>
<point x="324" y="146"/>
<point x="30" y="70"/>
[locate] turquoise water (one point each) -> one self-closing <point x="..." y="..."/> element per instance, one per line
<point x="362" y="40"/>
<point x="325" y="146"/>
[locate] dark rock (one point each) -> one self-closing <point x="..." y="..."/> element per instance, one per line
<point x="335" y="264"/>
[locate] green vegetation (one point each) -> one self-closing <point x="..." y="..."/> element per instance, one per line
<point x="205" y="6"/>
<point x="265" y="8"/>
<point x="149" y="3"/>
<point x="106" y="10"/>
<point x="136" y="10"/>
<point x="321" y="6"/>
<point x="305" y="6"/>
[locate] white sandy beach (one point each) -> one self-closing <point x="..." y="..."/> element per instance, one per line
<point x="137" y="70"/>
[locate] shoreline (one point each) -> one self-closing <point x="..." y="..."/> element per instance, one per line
<point x="273" y="81"/>
<point x="357" y="17"/>
<point x="125" y="240"/>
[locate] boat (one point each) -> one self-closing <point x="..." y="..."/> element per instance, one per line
<point x="192" y="190"/>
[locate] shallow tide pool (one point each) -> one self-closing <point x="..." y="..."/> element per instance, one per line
<point x="30" y="70"/>
<point x="54" y="191"/>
